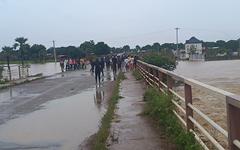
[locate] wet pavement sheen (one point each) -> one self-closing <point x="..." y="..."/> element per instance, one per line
<point x="130" y="130"/>
<point x="56" y="113"/>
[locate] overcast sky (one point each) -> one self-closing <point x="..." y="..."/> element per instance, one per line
<point x="117" y="22"/>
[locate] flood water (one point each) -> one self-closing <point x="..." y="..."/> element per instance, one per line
<point x="221" y="74"/>
<point x="59" y="124"/>
<point x="47" y="69"/>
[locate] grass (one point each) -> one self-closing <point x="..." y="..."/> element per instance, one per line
<point x="137" y="74"/>
<point x="99" y="142"/>
<point x="159" y="107"/>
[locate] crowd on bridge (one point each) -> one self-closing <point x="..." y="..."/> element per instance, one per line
<point x="118" y="62"/>
<point x="68" y="64"/>
<point x="115" y="63"/>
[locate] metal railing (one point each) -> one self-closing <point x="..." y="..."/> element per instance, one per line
<point x="164" y="80"/>
<point x="15" y="72"/>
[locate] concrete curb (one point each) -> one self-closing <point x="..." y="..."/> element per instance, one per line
<point x="22" y="81"/>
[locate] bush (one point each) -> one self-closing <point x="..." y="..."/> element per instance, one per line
<point x="160" y="60"/>
<point x="159" y="107"/>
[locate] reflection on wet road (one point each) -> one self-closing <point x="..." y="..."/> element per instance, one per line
<point x="54" y="113"/>
<point x="63" y="122"/>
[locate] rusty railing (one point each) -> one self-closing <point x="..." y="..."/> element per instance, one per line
<point x="164" y="80"/>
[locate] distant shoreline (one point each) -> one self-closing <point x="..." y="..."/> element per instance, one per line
<point x="222" y="58"/>
<point x="25" y="62"/>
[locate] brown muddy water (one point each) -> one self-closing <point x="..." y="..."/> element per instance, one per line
<point x="217" y="73"/>
<point x="221" y="74"/>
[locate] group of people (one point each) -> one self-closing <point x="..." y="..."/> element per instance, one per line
<point x="115" y="62"/>
<point x="72" y="64"/>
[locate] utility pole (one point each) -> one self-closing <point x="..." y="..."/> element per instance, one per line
<point x="54" y="51"/>
<point x="9" y="69"/>
<point x="178" y="52"/>
<point x="21" y="51"/>
<point x="239" y="47"/>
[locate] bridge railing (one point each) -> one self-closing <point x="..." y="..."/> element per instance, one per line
<point x="164" y="80"/>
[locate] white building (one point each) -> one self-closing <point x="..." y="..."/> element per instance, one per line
<point x="193" y="50"/>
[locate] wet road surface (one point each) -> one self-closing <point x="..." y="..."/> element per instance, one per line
<point x="58" y="112"/>
<point x="130" y="130"/>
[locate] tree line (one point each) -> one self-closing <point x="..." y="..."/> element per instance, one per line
<point x="21" y="50"/>
<point x="213" y="49"/>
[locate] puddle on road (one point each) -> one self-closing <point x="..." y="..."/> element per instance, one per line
<point x="62" y="124"/>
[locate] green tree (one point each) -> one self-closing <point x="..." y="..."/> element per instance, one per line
<point x="147" y="47"/>
<point x="232" y="45"/>
<point x="87" y="47"/>
<point x="156" y="46"/>
<point x="210" y="44"/>
<point x="101" y="49"/>
<point x="38" y="52"/>
<point x="138" y="48"/>
<point x="7" y="51"/>
<point x="169" y="46"/>
<point x="126" y="48"/>
<point x="160" y="60"/>
<point x="21" y="44"/>
<point x="220" y="43"/>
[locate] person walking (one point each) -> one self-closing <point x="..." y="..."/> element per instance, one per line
<point x="114" y="66"/>
<point x="119" y="63"/>
<point x="70" y="63"/>
<point x="125" y="64"/>
<point x="97" y="69"/>
<point x="92" y="66"/>
<point x="66" y="64"/>
<point x="102" y="66"/>
<point x="62" y="64"/>
<point x="108" y="62"/>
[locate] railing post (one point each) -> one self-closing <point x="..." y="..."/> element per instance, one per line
<point x="27" y="72"/>
<point x="19" y="71"/>
<point x="160" y="78"/>
<point x="9" y="68"/>
<point x="157" y="78"/>
<point x="148" y="73"/>
<point x="152" y="74"/>
<point x="188" y="100"/>
<point x="233" y="121"/>
<point x="170" y="82"/>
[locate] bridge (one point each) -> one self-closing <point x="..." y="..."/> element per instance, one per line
<point x="72" y="93"/>
<point x="187" y="113"/>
